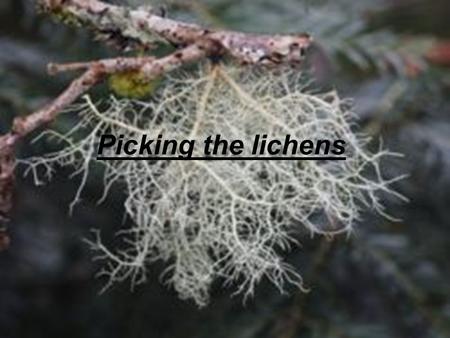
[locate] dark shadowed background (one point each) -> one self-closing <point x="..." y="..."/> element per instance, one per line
<point x="389" y="279"/>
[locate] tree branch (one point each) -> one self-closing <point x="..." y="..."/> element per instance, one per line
<point x="95" y="72"/>
<point x="130" y="28"/>
<point x="144" y="27"/>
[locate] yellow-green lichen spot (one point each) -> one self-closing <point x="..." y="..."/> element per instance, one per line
<point x="132" y="84"/>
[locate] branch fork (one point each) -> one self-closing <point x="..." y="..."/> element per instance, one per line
<point x="138" y="28"/>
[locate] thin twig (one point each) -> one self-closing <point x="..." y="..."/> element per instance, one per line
<point x="143" y="27"/>
<point x="95" y="72"/>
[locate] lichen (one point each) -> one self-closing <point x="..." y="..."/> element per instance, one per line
<point x="132" y="84"/>
<point x="60" y="14"/>
<point x="229" y="221"/>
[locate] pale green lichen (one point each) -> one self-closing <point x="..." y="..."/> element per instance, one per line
<point x="228" y="220"/>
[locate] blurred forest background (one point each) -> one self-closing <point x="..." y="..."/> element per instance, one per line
<point x="386" y="280"/>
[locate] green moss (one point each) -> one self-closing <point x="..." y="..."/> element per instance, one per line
<point x="132" y="84"/>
